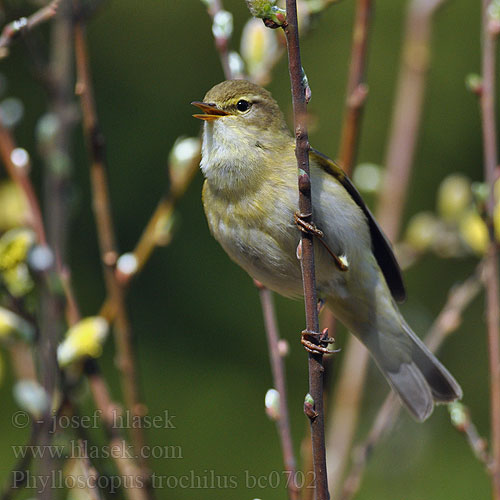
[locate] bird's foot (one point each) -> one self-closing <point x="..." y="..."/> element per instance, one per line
<point x="314" y="342"/>
<point x="306" y="227"/>
<point x="311" y="228"/>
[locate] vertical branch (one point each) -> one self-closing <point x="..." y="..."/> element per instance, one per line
<point x="349" y="390"/>
<point x="278" y="369"/>
<point x="106" y="236"/>
<point x="406" y="122"/>
<point x="407" y="114"/>
<point x="488" y="63"/>
<point x="57" y="157"/>
<point x="356" y="87"/>
<point x="56" y="214"/>
<point x="307" y="261"/>
<point x="221" y="42"/>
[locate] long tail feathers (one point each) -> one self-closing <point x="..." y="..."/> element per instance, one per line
<point x="423" y="381"/>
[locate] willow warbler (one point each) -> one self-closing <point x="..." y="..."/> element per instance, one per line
<point x="250" y="198"/>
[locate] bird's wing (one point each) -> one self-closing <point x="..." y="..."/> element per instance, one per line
<point x="380" y="244"/>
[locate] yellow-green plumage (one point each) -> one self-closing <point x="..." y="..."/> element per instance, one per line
<point x="250" y="196"/>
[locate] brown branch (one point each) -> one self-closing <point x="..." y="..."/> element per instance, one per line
<point x="489" y="127"/>
<point x="148" y="241"/>
<point x="221" y="43"/>
<point x="15" y="29"/>
<point x="316" y="416"/>
<point x="23" y="464"/>
<point x="121" y="455"/>
<point x="407" y="114"/>
<point x="60" y="90"/>
<point x="446" y="322"/>
<point x="461" y="420"/>
<point x="106" y="236"/>
<point x="20" y="175"/>
<point x="347" y="400"/>
<point x="406" y="122"/>
<point x="278" y="370"/>
<point x="356" y="87"/>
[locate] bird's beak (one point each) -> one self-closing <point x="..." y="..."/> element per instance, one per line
<point x="212" y="112"/>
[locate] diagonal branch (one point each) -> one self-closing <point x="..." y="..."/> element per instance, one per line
<point x="446" y="322"/>
<point x="278" y="369"/>
<point x="16" y="28"/>
<point x="106" y="236"/>
<point x="356" y="86"/>
<point x="490" y="132"/>
<point x="347" y="397"/>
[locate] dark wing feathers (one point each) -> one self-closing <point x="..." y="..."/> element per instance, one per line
<point x="380" y="244"/>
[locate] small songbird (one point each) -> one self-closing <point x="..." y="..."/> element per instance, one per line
<point x="250" y="198"/>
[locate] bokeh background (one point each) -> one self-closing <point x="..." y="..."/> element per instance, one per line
<point x="196" y="316"/>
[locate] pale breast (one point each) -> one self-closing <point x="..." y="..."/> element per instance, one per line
<point x="258" y="236"/>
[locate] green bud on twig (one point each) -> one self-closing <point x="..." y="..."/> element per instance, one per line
<point x="459" y="415"/>
<point x="309" y="407"/>
<point x="474" y="83"/>
<point x="267" y="10"/>
<point x="307" y="88"/>
<point x="494" y="18"/>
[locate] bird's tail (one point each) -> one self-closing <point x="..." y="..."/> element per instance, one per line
<point x="419" y="379"/>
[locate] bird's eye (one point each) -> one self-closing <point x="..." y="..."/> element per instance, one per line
<point x="243" y="105"/>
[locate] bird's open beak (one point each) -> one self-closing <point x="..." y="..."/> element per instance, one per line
<point x="212" y="112"/>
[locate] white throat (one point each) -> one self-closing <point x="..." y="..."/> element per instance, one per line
<point x="231" y="160"/>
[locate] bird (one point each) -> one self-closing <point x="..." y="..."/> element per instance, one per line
<point x="250" y="199"/>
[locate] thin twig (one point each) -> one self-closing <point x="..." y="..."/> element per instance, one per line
<point x="407" y="114"/>
<point x="278" y="370"/>
<point x="106" y="236"/>
<point x="17" y="28"/>
<point x="344" y="417"/>
<point x="221" y="42"/>
<point x="356" y="86"/>
<point x="108" y="411"/>
<point x="23" y="464"/>
<point x="488" y="63"/>
<point x="446" y="322"/>
<point x="406" y="122"/>
<point x="461" y="420"/>
<point x="162" y="216"/>
<point x="61" y="96"/>
<point x="20" y="175"/>
<point x="316" y="417"/>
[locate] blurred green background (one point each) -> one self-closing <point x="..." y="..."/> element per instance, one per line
<point x="196" y="316"/>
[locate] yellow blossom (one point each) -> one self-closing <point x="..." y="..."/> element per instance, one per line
<point x="12" y="206"/>
<point x="454" y="197"/>
<point x="474" y="232"/>
<point x="14" y="247"/>
<point x="422" y="230"/>
<point x="85" y="339"/>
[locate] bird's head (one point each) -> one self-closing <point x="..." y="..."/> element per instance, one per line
<point x="243" y="108"/>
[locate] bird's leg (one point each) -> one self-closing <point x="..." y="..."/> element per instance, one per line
<point x="314" y="342"/>
<point x="309" y="227"/>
